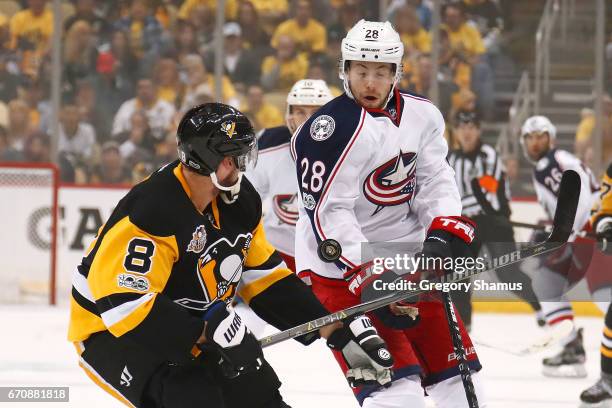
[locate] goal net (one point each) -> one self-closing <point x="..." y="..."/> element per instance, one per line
<point x="28" y="232"/>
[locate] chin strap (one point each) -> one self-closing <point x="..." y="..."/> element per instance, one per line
<point x="228" y="194"/>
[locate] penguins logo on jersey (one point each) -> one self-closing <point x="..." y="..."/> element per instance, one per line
<point x="285" y="208"/>
<point x="220" y="267"/>
<point x="393" y="182"/>
<point x="322" y="128"/>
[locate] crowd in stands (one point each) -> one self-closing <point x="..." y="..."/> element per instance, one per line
<point x="132" y="67"/>
<point x="583" y="143"/>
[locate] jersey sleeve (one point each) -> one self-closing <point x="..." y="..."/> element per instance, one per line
<point x="129" y="271"/>
<point x="603" y="209"/>
<point x="437" y="193"/>
<point x="326" y="169"/>
<point x="263" y="266"/>
<point x="275" y="293"/>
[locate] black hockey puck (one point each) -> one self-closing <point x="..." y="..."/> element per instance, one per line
<point x="329" y="250"/>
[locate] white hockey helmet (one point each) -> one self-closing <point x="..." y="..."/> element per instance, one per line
<point x="372" y="41"/>
<point x="307" y="92"/>
<point x="537" y="124"/>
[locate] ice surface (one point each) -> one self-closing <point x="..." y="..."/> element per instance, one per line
<point x="34" y="352"/>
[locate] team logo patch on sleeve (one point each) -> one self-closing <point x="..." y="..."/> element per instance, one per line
<point x="322" y="128"/>
<point x="198" y="241"/>
<point x="309" y="201"/>
<point x="129" y="281"/>
<point x="285" y="208"/>
<point x="393" y="182"/>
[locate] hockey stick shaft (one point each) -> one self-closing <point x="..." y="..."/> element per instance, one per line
<point x="562" y="228"/>
<point x="502" y="260"/>
<point x="459" y="349"/>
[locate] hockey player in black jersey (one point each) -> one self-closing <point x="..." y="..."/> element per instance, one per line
<point x="149" y="310"/>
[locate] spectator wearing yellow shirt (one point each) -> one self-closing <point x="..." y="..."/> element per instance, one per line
<point x="279" y="72"/>
<point x="31" y="31"/>
<point x="468" y="46"/>
<point x="271" y="9"/>
<point x="584" y="133"/>
<point x="415" y="39"/>
<point x="261" y="113"/>
<point x="200" y="82"/>
<point x="169" y="86"/>
<point x="413" y="35"/>
<point x="464" y="37"/>
<point x="231" y="7"/>
<point x="309" y="35"/>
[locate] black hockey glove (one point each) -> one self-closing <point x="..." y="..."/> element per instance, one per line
<point x="364" y="351"/>
<point x="451" y="237"/>
<point x="227" y="335"/>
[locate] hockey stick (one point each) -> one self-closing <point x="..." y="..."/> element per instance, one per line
<point x="459" y="349"/>
<point x="488" y="210"/>
<point x="558" y="332"/>
<point x="481" y="199"/>
<point x="562" y="228"/>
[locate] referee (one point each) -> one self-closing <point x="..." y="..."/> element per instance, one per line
<point x="489" y="208"/>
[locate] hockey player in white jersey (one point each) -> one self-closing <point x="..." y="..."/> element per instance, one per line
<point x="274" y="176"/>
<point x="371" y="167"/>
<point x="554" y="275"/>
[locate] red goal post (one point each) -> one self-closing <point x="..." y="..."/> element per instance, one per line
<point x="28" y="232"/>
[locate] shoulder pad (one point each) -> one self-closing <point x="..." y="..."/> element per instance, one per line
<point x="273" y="137"/>
<point x="414" y="95"/>
<point x="330" y="128"/>
<point x="154" y="204"/>
<point x="564" y="158"/>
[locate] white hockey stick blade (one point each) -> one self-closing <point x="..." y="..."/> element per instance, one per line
<point x="551" y="338"/>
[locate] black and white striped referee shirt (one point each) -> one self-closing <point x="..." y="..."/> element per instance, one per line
<point x="485" y="165"/>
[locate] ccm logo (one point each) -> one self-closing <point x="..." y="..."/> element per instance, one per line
<point x="449" y="223"/>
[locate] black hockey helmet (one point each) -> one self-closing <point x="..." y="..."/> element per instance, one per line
<point x="210" y="132"/>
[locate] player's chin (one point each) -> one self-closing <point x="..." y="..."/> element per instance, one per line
<point x="370" y="102"/>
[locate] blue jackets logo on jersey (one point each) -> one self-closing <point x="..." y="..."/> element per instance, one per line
<point x="285" y="208"/>
<point x="322" y="128"/>
<point x="393" y="182"/>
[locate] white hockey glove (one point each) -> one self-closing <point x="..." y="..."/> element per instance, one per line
<point x="364" y="351"/>
<point x="227" y="335"/>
